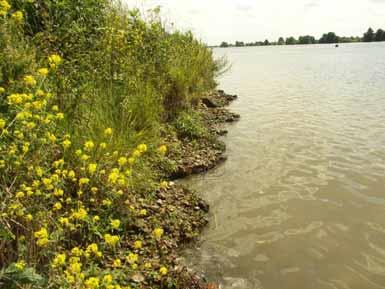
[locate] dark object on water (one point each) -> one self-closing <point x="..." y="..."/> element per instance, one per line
<point x="337" y="45"/>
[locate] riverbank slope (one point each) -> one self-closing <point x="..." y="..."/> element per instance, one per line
<point x="100" y="106"/>
<point x="193" y="156"/>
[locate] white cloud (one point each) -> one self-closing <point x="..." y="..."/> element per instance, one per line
<point x="249" y="20"/>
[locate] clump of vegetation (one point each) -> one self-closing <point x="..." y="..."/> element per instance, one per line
<point x="190" y="125"/>
<point x="85" y="87"/>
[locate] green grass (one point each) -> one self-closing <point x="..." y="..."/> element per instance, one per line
<point x="122" y="71"/>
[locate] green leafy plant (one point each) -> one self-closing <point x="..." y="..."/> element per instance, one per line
<point x="189" y="124"/>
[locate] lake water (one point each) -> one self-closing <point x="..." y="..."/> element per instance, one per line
<point x="300" y="203"/>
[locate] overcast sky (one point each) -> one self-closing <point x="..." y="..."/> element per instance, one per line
<point x="215" y="21"/>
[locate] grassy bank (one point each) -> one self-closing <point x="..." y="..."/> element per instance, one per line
<point x="91" y="95"/>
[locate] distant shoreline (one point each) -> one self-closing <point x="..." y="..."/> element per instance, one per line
<point x="299" y="45"/>
<point x="327" y="38"/>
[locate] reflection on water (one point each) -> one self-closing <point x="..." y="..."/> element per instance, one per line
<point x="300" y="203"/>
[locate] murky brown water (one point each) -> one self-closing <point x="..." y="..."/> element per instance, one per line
<point x="300" y="203"/>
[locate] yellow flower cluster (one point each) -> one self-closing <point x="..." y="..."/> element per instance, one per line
<point x="42" y="237"/>
<point x="18" y="16"/>
<point x="111" y="240"/>
<point x="20" y="265"/>
<point x="157" y="233"/>
<point x="93" y="250"/>
<point x="4" y="7"/>
<point x="92" y="283"/>
<point x="54" y="61"/>
<point x="64" y="191"/>
<point x="43" y="71"/>
<point x="59" y="260"/>
<point x="115" y="224"/>
<point x="163" y="270"/>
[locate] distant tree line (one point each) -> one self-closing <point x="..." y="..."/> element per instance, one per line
<point x="330" y="37"/>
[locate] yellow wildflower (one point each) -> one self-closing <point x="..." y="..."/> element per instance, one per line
<point x="75" y="266"/>
<point x="80" y="214"/>
<point x="107" y="202"/>
<point x="115" y="224"/>
<point x="92" y="248"/>
<point x="163" y="271"/>
<point x="29" y="80"/>
<point x="51" y="137"/>
<point x="57" y="206"/>
<point x="92" y="168"/>
<point x="42" y="242"/>
<point x="41" y="234"/>
<point x="76" y="251"/>
<point x="21" y="264"/>
<point x="107" y="278"/>
<point x="18" y="16"/>
<point x="111" y="240"/>
<point x="2" y="89"/>
<point x="122" y="161"/>
<point x="19" y="195"/>
<point x="4" y="7"/>
<point x="113" y="176"/>
<point x="136" y="153"/>
<point x="157" y="233"/>
<point x="89" y="145"/>
<point x="58" y="163"/>
<point x="39" y="171"/>
<point x="31" y="125"/>
<point x="164" y="185"/>
<point x="29" y="217"/>
<point x="138" y="244"/>
<point x="64" y="221"/>
<point x="108" y="131"/>
<point x="54" y="61"/>
<point x="15" y="98"/>
<point x="132" y="258"/>
<point x="84" y="181"/>
<point x="43" y="71"/>
<point x="71" y="174"/>
<point x="59" y="260"/>
<point x="142" y="148"/>
<point x="117" y="263"/>
<point x="92" y="283"/>
<point x="58" y="192"/>
<point x="84" y="157"/>
<point x="66" y="143"/>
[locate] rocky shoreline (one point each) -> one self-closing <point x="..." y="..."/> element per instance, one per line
<point x="194" y="157"/>
<point x="206" y="152"/>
